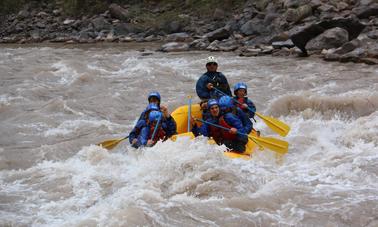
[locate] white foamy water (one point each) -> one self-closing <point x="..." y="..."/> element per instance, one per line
<point x="56" y="102"/>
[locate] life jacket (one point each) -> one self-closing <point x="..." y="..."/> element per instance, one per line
<point x="240" y="102"/>
<point x="160" y="133"/>
<point x="216" y="133"/>
<point x="226" y="133"/>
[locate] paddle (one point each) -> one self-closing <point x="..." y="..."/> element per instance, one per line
<point x="276" y="125"/>
<point x="155" y="129"/>
<point x="189" y="111"/>
<point x="110" y="144"/>
<point x="276" y="145"/>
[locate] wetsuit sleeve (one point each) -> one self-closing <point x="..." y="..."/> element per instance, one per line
<point x="170" y="126"/>
<point x="235" y="122"/>
<point x="136" y="130"/>
<point x="225" y="87"/>
<point x="201" y="89"/>
<point x="203" y="130"/>
<point x="251" y="108"/>
<point x="195" y="130"/>
<point x="247" y="123"/>
<point x="143" y="136"/>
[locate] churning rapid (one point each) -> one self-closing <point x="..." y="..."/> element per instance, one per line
<point x="57" y="102"/>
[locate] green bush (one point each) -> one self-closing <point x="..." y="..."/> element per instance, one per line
<point x="76" y="7"/>
<point x="11" y="6"/>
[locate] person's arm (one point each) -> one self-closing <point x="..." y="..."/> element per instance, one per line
<point x="143" y="136"/>
<point x="204" y="130"/>
<point x="225" y="86"/>
<point x="251" y="108"/>
<point x="142" y="115"/>
<point x="201" y="89"/>
<point x="247" y="123"/>
<point x="235" y="122"/>
<point x="170" y="128"/>
<point x="136" y="130"/>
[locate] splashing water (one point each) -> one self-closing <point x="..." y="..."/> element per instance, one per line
<point x="56" y="101"/>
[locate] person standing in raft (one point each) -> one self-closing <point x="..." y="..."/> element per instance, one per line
<point x="237" y="121"/>
<point x="242" y="101"/>
<point x="164" y="129"/>
<point x="209" y="80"/>
<point x="207" y="129"/>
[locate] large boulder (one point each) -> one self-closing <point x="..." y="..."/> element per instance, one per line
<point x="121" y="29"/>
<point x="199" y="44"/>
<point x="296" y="15"/>
<point x="254" y="27"/>
<point x="348" y="47"/>
<point x="219" y="34"/>
<point x="174" y="47"/>
<point x="179" y="37"/>
<point x="366" y="11"/>
<point x="300" y="36"/>
<point x="100" y="23"/>
<point x="118" y="12"/>
<point x="373" y="34"/>
<point x="281" y="44"/>
<point x="331" y="38"/>
<point x="225" y="45"/>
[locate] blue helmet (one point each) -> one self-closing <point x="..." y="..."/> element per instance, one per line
<point x="154" y="94"/>
<point x="212" y="102"/>
<point x="152" y="106"/>
<point x="154" y="115"/>
<point x="226" y="102"/>
<point x="240" y="85"/>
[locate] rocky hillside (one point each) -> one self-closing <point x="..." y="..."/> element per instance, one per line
<point x="338" y="30"/>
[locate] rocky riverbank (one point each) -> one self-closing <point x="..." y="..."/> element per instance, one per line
<point x="337" y="30"/>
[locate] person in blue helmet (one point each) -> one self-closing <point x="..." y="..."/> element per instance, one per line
<point x="237" y="122"/>
<point x="210" y="80"/>
<point x="154" y="100"/>
<point x="242" y="101"/>
<point x="207" y="129"/>
<point x="164" y="130"/>
<point x="133" y="135"/>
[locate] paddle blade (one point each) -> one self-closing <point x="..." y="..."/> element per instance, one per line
<point x="277" y="145"/>
<point x="276" y="125"/>
<point x="110" y="144"/>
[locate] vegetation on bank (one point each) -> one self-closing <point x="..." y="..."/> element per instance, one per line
<point x="145" y="14"/>
<point x="88" y="7"/>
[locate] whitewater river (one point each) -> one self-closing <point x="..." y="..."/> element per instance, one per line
<point x="56" y="102"/>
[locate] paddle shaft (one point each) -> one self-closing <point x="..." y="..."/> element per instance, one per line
<point x="189" y="112"/>
<point x="155" y="129"/>
<point x="224" y="128"/>
<point x="219" y="126"/>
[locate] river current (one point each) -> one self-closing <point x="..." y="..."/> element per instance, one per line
<point x="56" y="102"/>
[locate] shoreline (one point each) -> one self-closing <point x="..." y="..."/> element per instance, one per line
<point x="344" y="32"/>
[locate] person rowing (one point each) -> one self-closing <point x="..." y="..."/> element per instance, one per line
<point x="237" y="122"/>
<point x="155" y="129"/>
<point x="242" y="101"/>
<point x="154" y="99"/>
